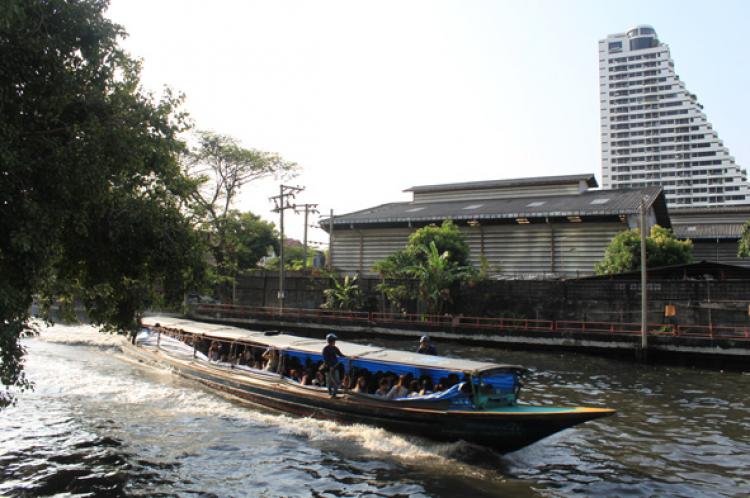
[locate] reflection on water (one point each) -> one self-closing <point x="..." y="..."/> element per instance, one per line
<point x="99" y="425"/>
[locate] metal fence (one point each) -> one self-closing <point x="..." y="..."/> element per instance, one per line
<point x="468" y="324"/>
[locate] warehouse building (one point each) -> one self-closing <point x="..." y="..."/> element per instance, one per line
<point x="542" y="227"/>
<point x="714" y="231"/>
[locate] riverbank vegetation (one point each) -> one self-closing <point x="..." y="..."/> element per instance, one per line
<point x="102" y="201"/>
<point x="623" y="253"/>
<point x="436" y="258"/>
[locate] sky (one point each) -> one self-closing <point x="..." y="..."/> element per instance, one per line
<point x="372" y="97"/>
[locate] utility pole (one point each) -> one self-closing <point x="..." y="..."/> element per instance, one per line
<point x="644" y="277"/>
<point x="309" y="208"/>
<point x="282" y="203"/>
<point x="330" y="242"/>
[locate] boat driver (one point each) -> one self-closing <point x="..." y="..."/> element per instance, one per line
<point x="426" y="347"/>
<point x="331" y="355"/>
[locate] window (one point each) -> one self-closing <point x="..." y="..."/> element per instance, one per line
<point x="615" y="46"/>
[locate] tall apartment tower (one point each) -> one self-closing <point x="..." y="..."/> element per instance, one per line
<point x="654" y="131"/>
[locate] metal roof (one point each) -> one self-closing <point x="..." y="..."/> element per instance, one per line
<point x="511" y="182"/>
<point x="590" y="203"/>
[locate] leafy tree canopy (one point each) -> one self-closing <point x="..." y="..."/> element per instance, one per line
<point x="91" y="187"/>
<point x="222" y="167"/>
<point x="743" y="245"/>
<point x="437" y="257"/>
<point x="662" y="249"/>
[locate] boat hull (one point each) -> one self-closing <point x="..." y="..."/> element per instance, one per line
<point x="504" y="430"/>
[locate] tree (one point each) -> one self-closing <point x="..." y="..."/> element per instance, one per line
<point x="447" y="238"/>
<point x="743" y="245"/>
<point x="437" y="257"/>
<point x="90" y="184"/>
<point x="294" y="258"/>
<point x="221" y="168"/>
<point x="662" y="249"/>
<point x="436" y="274"/>
<point x="344" y="295"/>
<point x="249" y="239"/>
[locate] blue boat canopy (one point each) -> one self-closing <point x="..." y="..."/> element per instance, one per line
<point x="371" y="357"/>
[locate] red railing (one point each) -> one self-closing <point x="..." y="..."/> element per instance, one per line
<point x="469" y="323"/>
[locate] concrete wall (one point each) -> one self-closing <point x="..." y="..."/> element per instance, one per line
<point x="697" y="302"/>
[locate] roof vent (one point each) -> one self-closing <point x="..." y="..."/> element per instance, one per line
<point x="474" y="206"/>
<point x="600" y="201"/>
<point x="414" y="210"/>
<point x="535" y="204"/>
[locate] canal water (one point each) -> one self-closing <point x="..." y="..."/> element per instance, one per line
<point x="98" y="424"/>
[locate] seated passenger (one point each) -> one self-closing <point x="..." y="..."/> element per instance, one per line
<point x="425" y="388"/>
<point x="319" y="380"/>
<point x="361" y="386"/>
<point x="271" y="356"/>
<point x="413" y="388"/>
<point x="307" y="377"/>
<point x="399" y="390"/>
<point x="383" y="388"/>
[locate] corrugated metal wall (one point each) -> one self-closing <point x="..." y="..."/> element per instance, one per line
<point x="723" y="251"/>
<point x="570" y="248"/>
<point x="358" y="250"/>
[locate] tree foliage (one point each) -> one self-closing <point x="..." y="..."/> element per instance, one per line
<point x="743" y="245"/>
<point x="436" y="257"/>
<point x="343" y="295"/>
<point x="662" y="249"/>
<point x="294" y="258"/>
<point x="91" y="187"/>
<point x="222" y="167"/>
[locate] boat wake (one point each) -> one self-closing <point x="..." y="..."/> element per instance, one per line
<point x="162" y="391"/>
<point x="78" y="335"/>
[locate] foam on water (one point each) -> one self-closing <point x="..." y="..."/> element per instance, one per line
<point x="81" y="335"/>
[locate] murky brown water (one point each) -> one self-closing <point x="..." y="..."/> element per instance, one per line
<point x="98" y="425"/>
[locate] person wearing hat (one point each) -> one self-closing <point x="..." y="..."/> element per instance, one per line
<point x="425" y="346"/>
<point x="331" y="355"/>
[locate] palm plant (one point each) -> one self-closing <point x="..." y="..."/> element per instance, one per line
<point x="436" y="274"/>
<point x="344" y="295"/>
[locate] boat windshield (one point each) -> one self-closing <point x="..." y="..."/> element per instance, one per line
<point x="497" y="387"/>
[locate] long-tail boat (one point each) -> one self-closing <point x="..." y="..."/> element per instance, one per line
<point x="481" y="405"/>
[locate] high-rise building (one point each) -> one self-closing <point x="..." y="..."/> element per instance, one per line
<point x="654" y="131"/>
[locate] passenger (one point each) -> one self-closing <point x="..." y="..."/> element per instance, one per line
<point x="399" y="390"/>
<point x="271" y="356"/>
<point x="383" y="388"/>
<point x="331" y="355"/>
<point x="361" y="386"/>
<point x="426" y="387"/>
<point x="425" y="346"/>
<point x="294" y="375"/>
<point x="452" y="380"/>
<point x="213" y="352"/>
<point x="319" y="379"/>
<point x="413" y="388"/>
<point x="307" y="377"/>
<point x="345" y="382"/>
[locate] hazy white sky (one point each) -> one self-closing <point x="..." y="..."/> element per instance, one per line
<point x="373" y="97"/>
